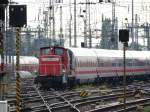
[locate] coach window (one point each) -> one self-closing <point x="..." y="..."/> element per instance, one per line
<point x="59" y="51"/>
<point x="141" y="63"/>
<point x="114" y="64"/>
<point x="101" y="64"/>
<point x="148" y="62"/>
<point x="120" y="64"/>
<point x="129" y="64"/>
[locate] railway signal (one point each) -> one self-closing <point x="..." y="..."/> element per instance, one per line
<point x="82" y="44"/>
<point x="17" y="15"/>
<point x="124" y="38"/>
<point x="124" y="35"/>
<point x="17" y="18"/>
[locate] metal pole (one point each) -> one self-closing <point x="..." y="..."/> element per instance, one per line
<point x="61" y="29"/>
<point x="53" y="22"/>
<point x="2" y="61"/>
<point x="2" y="48"/>
<point x="85" y="45"/>
<point x="124" y="76"/>
<point x="132" y="28"/>
<point x="7" y="47"/>
<point x="70" y="44"/>
<point x="18" y="91"/>
<point x="90" y="36"/>
<point x="2" y="29"/>
<point x="39" y="36"/>
<point x="113" y="39"/>
<point x="50" y="5"/>
<point x="136" y="32"/>
<point x="75" y="32"/>
<point x="85" y="23"/>
<point x="148" y="35"/>
<point x="29" y="52"/>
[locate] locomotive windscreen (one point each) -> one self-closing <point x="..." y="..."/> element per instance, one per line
<point x="59" y="51"/>
<point x="45" y="51"/>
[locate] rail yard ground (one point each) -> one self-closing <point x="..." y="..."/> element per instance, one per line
<point x="84" y="98"/>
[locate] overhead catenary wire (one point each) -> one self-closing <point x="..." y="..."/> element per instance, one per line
<point x="140" y="6"/>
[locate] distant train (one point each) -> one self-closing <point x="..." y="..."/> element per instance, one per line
<point x="58" y="65"/>
<point x="27" y="63"/>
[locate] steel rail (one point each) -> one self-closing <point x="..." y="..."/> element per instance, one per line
<point x="107" y="108"/>
<point x="45" y="102"/>
<point x="69" y="103"/>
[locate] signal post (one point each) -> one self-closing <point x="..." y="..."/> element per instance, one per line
<point x="3" y="5"/>
<point x="124" y="38"/>
<point x="2" y="61"/>
<point x="17" y="16"/>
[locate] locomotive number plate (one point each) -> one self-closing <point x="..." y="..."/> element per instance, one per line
<point x="50" y="59"/>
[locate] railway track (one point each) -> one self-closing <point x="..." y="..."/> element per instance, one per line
<point x="27" y="92"/>
<point x="116" y="107"/>
<point x="91" y="102"/>
<point x="70" y="101"/>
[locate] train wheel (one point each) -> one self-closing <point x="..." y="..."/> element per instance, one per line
<point x="97" y="81"/>
<point x="71" y="82"/>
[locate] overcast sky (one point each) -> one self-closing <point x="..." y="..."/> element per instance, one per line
<point x="123" y="10"/>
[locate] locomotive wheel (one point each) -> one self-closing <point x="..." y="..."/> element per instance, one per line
<point x="71" y="82"/>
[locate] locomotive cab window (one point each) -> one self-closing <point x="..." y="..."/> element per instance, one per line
<point x="45" y="51"/>
<point x="59" y="51"/>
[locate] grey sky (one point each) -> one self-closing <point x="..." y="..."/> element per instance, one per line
<point x="123" y="10"/>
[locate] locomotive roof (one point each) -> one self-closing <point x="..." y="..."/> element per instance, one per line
<point x="109" y="53"/>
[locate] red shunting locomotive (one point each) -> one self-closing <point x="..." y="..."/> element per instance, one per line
<point x="54" y="67"/>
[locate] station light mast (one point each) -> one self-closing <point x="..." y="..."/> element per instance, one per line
<point x="75" y="30"/>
